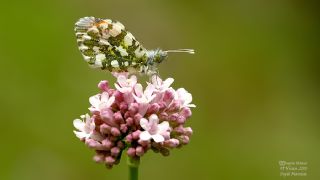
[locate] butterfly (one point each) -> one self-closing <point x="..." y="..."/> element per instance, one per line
<point x="107" y="45"/>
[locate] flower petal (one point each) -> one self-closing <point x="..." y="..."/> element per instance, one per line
<point x="95" y="100"/>
<point x="104" y="97"/>
<point x="81" y="135"/>
<point x="110" y="101"/>
<point x="149" y="90"/>
<point x="78" y="124"/>
<point x="163" y="127"/>
<point x="122" y="80"/>
<point x="153" y="124"/>
<point x="191" y="105"/>
<point x="133" y="80"/>
<point x="145" y="135"/>
<point x="153" y="120"/>
<point x="187" y="98"/>
<point x="157" y="138"/>
<point x="138" y="90"/>
<point x="158" y="81"/>
<point x="138" y="99"/>
<point x="117" y="87"/>
<point x="144" y="124"/>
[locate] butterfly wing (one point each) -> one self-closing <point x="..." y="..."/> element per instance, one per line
<point x="106" y="44"/>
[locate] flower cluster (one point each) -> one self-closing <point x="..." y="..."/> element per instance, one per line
<point x="132" y="119"/>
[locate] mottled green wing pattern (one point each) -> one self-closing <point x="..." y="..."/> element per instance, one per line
<point x="107" y="45"/>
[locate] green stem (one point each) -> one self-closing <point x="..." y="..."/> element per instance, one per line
<point x="133" y="164"/>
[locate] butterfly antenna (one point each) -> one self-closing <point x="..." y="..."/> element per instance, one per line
<point x="190" y="51"/>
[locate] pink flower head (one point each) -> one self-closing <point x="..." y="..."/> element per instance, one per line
<point x="154" y="130"/>
<point x="135" y="119"/>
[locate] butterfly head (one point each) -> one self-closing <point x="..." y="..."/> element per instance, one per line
<point x="156" y="56"/>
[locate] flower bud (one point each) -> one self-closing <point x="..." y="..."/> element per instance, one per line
<point x="107" y="143"/>
<point x="99" y="158"/>
<point x="118" y="96"/>
<point x="181" y="119"/>
<point x="131" y="151"/>
<point x="186" y="112"/>
<point x="127" y="115"/>
<point x="184" y="139"/>
<point x="123" y="107"/>
<point x="110" y="160"/>
<point x="173" y="117"/>
<point x="129" y="121"/>
<point x="133" y="109"/>
<point x="118" y="117"/>
<point x="136" y="134"/>
<point x="137" y="119"/>
<point x="175" y="106"/>
<point x="107" y="116"/>
<point x="129" y="138"/>
<point x="105" y="129"/>
<point x="139" y="151"/>
<point x="103" y="85"/>
<point x="179" y="129"/>
<point x="163" y="116"/>
<point x="115" y="151"/>
<point x="143" y="143"/>
<point x="115" y="131"/>
<point x="123" y="128"/>
<point x="153" y="109"/>
<point x="171" y="143"/>
<point x="188" y="131"/>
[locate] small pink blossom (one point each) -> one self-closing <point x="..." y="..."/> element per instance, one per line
<point x="145" y="96"/>
<point x="160" y="85"/>
<point x="124" y="84"/>
<point x="153" y="130"/>
<point x="100" y="101"/>
<point x="184" y="98"/>
<point x="85" y="126"/>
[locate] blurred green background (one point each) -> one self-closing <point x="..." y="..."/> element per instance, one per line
<point x="254" y="79"/>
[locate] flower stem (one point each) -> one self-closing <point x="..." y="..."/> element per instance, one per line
<point x="133" y="164"/>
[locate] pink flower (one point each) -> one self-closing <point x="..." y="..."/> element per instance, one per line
<point x="160" y="85"/>
<point x="85" y="126"/>
<point x="100" y="101"/>
<point x="153" y="130"/>
<point x="124" y="84"/>
<point x="145" y="96"/>
<point x="184" y="98"/>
